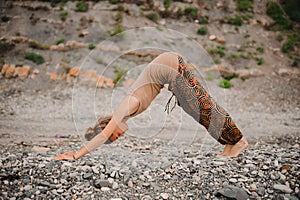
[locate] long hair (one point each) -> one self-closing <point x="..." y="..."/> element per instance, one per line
<point x="99" y="126"/>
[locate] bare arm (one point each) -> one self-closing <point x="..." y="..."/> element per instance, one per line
<point x="128" y="106"/>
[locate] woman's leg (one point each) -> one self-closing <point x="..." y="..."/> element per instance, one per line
<point x="198" y="103"/>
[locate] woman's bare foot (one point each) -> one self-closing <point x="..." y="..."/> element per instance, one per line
<point x="238" y="148"/>
<point x="226" y="150"/>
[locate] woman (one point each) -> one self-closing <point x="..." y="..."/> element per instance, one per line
<point x="167" y="68"/>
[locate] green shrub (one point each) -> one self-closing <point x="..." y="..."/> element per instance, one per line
<point x="38" y="45"/>
<point x="167" y="3"/>
<point x="59" y="41"/>
<point x="118" y="17"/>
<point x="5" y="18"/>
<point x="64" y="15"/>
<point x="221" y="50"/>
<point x="217" y="61"/>
<point x="244" y="5"/>
<point x="203" y="20"/>
<point x="120" y="8"/>
<point x="5" y="47"/>
<point x="34" y="57"/>
<point x="287" y="47"/>
<point x="223" y="83"/>
<point x="92" y="46"/>
<point x="260" y="61"/>
<point x="292" y="7"/>
<point x="237" y="21"/>
<point x="292" y="42"/>
<point x="233" y="56"/>
<point x="243" y="56"/>
<point x="202" y="31"/>
<point x="247" y="36"/>
<point x="191" y="12"/>
<point x="275" y="12"/>
<point x="154" y="16"/>
<point x="114" y="1"/>
<point x="279" y="38"/>
<point x="81" y="6"/>
<point x="120" y="72"/>
<point x="118" y="28"/>
<point x="179" y="13"/>
<point x="260" y="49"/>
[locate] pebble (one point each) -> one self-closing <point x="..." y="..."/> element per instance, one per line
<point x="105" y="189"/>
<point x="176" y="175"/>
<point x="218" y="163"/>
<point x="27" y="187"/>
<point x="252" y="187"/>
<point x="130" y="184"/>
<point x="95" y="170"/>
<point x="164" y="195"/>
<point x="233" y="180"/>
<point x="282" y="188"/>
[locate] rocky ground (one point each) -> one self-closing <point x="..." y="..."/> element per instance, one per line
<point x="162" y="156"/>
<point x="143" y="169"/>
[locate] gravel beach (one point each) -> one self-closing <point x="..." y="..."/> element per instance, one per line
<point x="135" y="168"/>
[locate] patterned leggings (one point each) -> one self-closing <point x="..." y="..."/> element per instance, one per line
<point x="197" y="102"/>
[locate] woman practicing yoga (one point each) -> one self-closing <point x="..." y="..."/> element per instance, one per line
<point x="167" y="68"/>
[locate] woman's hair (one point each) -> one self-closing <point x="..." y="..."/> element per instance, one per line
<point x="99" y="126"/>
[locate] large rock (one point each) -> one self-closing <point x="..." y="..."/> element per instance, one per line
<point x="4" y="68"/>
<point x="109" y="82"/>
<point x="10" y="71"/>
<point x="75" y="45"/>
<point x="24" y="71"/>
<point x="224" y="72"/>
<point x="74" y="71"/>
<point x="89" y="76"/>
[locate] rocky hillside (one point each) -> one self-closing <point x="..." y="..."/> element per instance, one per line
<point x="244" y="37"/>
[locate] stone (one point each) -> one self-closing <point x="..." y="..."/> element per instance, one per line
<point x="252" y="187"/>
<point x="261" y="191"/>
<point x="27" y="187"/>
<point x="218" y="163"/>
<point x="90" y="75"/>
<point x="221" y="40"/>
<point x="164" y="195"/>
<point x="282" y="188"/>
<point x="23" y="72"/>
<point x="220" y="4"/>
<point x="100" y="82"/>
<point x="53" y="76"/>
<point x="233" y="180"/>
<point x="74" y="71"/>
<point x="102" y="183"/>
<point x="130" y="184"/>
<point x="38" y="149"/>
<point x="60" y="191"/>
<point x="212" y="37"/>
<point x="87" y="175"/>
<point x="75" y="45"/>
<point x="233" y="192"/>
<point x="115" y="185"/>
<point x="4" y="68"/>
<point x="10" y="71"/>
<point x="69" y="79"/>
<point x="109" y="82"/>
<point x="105" y="189"/>
<point x="95" y="170"/>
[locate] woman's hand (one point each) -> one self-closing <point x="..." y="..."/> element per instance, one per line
<point x="65" y="156"/>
